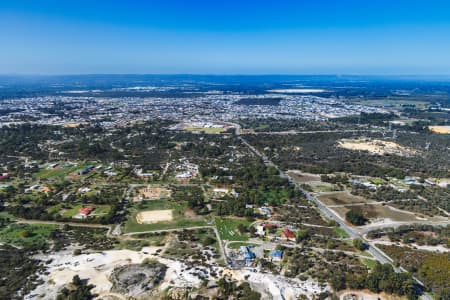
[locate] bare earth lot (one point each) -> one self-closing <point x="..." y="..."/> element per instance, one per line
<point x="440" y="129"/>
<point x="341" y="198"/>
<point x="301" y="177"/>
<point x="154" y="216"/>
<point x="379" y="213"/>
<point x="378" y="147"/>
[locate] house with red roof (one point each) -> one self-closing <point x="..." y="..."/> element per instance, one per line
<point x="4" y="176"/>
<point x="85" y="210"/>
<point x="289" y="235"/>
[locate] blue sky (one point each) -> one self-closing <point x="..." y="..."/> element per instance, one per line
<point x="225" y="37"/>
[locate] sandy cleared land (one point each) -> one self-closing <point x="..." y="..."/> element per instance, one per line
<point x="154" y="216"/>
<point x="341" y="198"/>
<point x="438" y="248"/>
<point x="378" y="147"/>
<point x="302" y="177"/>
<point x="278" y="287"/>
<point x="97" y="268"/>
<point x="440" y="129"/>
<point x="379" y="213"/>
<point x="152" y="193"/>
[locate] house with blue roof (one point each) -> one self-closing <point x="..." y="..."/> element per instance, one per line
<point x="276" y="255"/>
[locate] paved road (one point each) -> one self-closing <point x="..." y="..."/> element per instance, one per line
<point x="90" y="225"/>
<point x="377" y="253"/>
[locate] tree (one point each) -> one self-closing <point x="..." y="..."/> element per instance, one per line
<point x="338" y="281"/>
<point x="241" y="228"/>
<point x="358" y="244"/>
<point x="355" y="217"/>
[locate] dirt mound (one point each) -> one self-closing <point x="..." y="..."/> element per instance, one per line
<point x="136" y="280"/>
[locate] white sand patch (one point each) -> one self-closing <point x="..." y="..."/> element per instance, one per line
<point x="379" y="147"/>
<point x="154" y="216"/>
<point x="440" y="129"/>
<point x="97" y="267"/>
<point x="438" y="248"/>
<point x="278" y="287"/>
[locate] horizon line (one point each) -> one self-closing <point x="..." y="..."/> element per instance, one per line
<point x="226" y="74"/>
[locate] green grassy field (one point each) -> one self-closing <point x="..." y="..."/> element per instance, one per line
<point x="377" y="181"/>
<point x="26" y="236"/>
<point x="228" y="229"/>
<point x="341" y="232"/>
<point x="370" y="263"/>
<point x="323" y="188"/>
<point x="206" y="130"/>
<point x="275" y="196"/>
<point x="99" y="210"/>
<point x="179" y="218"/>
<point x="60" y="172"/>
<point x="5" y="215"/>
<point x="236" y="245"/>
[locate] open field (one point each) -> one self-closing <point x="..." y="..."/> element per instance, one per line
<point x="60" y="172"/>
<point x="27" y="236"/>
<point x="151" y="193"/>
<point x="341" y="232"/>
<point x="378" y="213"/>
<point x="206" y="130"/>
<point x="237" y="245"/>
<point x="180" y="218"/>
<point x="99" y="210"/>
<point x="440" y="129"/>
<point x="395" y="102"/>
<point x="301" y="177"/>
<point x="322" y="187"/>
<point x="374" y="146"/>
<point x="228" y="229"/>
<point x="341" y="198"/>
<point x="154" y="216"/>
<point x="370" y="263"/>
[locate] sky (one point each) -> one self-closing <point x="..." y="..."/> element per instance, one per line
<point x="382" y="37"/>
